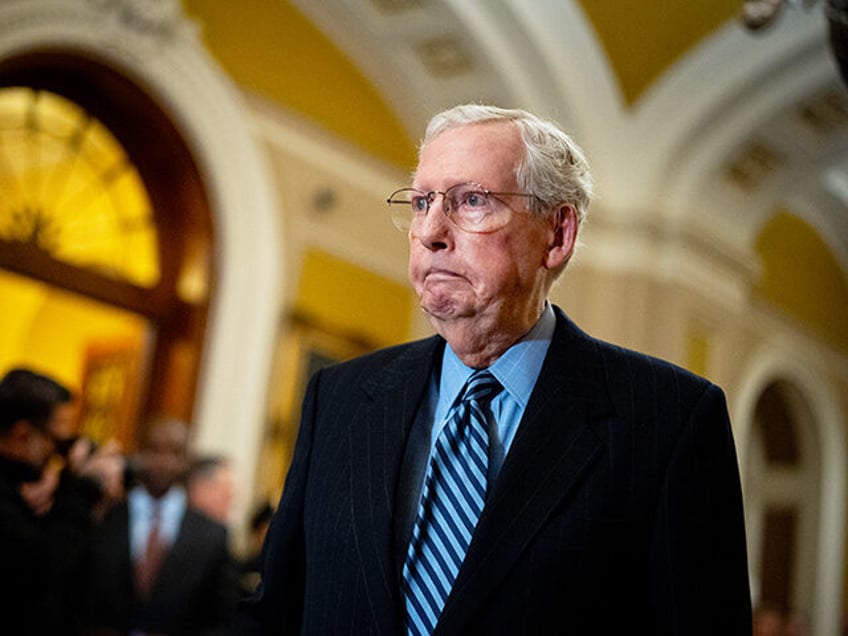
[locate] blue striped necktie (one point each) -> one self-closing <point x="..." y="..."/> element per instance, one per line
<point x="452" y="499"/>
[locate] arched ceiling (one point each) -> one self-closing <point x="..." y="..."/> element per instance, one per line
<point x="272" y="49"/>
<point x="694" y="126"/>
<point x="643" y="39"/>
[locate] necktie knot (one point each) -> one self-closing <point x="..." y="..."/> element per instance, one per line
<point x="481" y="386"/>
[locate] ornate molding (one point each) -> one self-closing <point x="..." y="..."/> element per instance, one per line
<point x="159" y="20"/>
<point x="760" y="14"/>
<point x="132" y="28"/>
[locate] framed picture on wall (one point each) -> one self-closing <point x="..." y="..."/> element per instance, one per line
<point x="303" y="348"/>
<point x="110" y="391"/>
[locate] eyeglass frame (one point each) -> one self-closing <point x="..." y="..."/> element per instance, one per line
<point x="448" y="210"/>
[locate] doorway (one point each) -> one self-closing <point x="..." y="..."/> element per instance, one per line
<point x="103" y="200"/>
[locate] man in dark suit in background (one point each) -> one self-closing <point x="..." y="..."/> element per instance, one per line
<point x="43" y="532"/>
<point x="159" y="567"/>
<point x="511" y="475"/>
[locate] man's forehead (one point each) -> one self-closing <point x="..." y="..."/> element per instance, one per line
<point x="166" y="432"/>
<point x="485" y="153"/>
<point x="502" y="133"/>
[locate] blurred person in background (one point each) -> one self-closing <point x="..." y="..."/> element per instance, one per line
<point x="88" y="473"/>
<point x="44" y="529"/>
<point x="768" y="621"/>
<point x="211" y="487"/>
<point x="158" y="566"/>
<point x="260" y="521"/>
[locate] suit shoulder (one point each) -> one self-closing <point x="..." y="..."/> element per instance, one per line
<point x="639" y="378"/>
<point x="640" y="362"/>
<point x="204" y="525"/>
<point x="621" y="364"/>
<point x="381" y="358"/>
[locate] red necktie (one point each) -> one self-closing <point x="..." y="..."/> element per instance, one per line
<point x="147" y="567"/>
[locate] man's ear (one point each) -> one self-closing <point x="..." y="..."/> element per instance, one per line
<point x="563" y="237"/>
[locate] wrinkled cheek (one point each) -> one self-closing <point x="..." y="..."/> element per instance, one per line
<point x="413" y="272"/>
<point x="415" y="281"/>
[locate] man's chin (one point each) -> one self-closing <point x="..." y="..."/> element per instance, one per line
<point x="449" y="319"/>
<point x="440" y="310"/>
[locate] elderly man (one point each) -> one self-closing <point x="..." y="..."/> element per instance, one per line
<point x="511" y="475"/>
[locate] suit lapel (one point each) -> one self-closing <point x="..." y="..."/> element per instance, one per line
<point x="554" y="445"/>
<point x="377" y="441"/>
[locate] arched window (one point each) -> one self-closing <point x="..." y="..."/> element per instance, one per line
<point x="782" y="499"/>
<point x="68" y="188"/>
<point x="100" y="197"/>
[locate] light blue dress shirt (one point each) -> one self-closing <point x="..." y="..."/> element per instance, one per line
<point x="172" y="508"/>
<point x="517" y="370"/>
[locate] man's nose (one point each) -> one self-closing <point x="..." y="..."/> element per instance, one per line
<point x="434" y="229"/>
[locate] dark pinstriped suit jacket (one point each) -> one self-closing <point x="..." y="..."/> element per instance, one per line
<point x="618" y="509"/>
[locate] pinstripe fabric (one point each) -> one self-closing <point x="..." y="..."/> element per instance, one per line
<point x="619" y="491"/>
<point x="451" y="503"/>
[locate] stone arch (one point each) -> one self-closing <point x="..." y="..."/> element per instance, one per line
<point x="805" y="387"/>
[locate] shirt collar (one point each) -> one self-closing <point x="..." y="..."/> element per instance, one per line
<point x="517" y="369"/>
<point x="171" y="502"/>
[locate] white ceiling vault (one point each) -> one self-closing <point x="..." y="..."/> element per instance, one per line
<point x="743" y="123"/>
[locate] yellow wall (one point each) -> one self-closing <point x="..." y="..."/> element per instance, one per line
<point x="342" y="296"/>
<point x="643" y="39"/>
<point x="697" y="350"/>
<point x="51" y="331"/>
<point x="273" y="50"/>
<point x="802" y="278"/>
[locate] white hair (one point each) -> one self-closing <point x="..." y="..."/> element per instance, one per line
<point x="554" y="168"/>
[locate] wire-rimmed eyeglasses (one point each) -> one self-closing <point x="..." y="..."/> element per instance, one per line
<point x="469" y="206"/>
